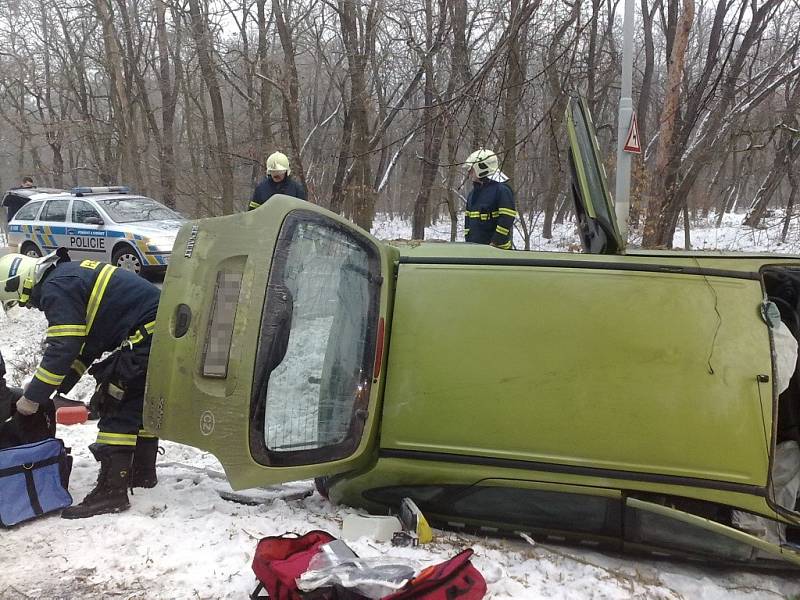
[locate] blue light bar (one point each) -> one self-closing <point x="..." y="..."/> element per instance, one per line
<point x="109" y="189"/>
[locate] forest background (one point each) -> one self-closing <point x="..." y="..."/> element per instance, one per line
<point x="378" y="102"/>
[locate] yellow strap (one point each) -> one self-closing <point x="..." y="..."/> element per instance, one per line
<point x="77" y="330"/>
<point x="96" y="297"/>
<point x="116" y="439"/>
<point x="49" y="378"/>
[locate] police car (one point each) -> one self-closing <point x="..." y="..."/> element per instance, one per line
<point x="100" y="223"/>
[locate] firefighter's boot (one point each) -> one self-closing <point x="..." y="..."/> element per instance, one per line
<point x="144" y="463"/>
<point x="110" y="494"/>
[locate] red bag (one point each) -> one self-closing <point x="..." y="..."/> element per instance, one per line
<point x="281" y="559"/>
<point x="456" y="578"/>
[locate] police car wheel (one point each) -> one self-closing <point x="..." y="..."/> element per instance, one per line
<point x="126" y="258"/>
<point x="31" y="249"/>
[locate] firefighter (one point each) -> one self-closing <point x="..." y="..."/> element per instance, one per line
<point x="277" y="181"/>
<point x="92" y="308"/>
<point x="490" y="213"/>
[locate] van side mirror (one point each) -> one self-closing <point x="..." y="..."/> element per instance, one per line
<point x="94" y="221"/>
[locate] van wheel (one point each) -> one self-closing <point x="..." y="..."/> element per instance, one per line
<point x="31" y="249"/>
<point x="126" y="258"/>
<point x="321" y="483"/>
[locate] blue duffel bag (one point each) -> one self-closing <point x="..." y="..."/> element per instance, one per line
<point x="33" y="480"/>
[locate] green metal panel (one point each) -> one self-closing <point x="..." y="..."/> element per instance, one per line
<point x="637" y="372"/>
<point x="212" y="413"/>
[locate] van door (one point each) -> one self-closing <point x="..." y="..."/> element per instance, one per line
<point x="597" y="223"/>
<point x="268" y="342"/>
<point x="663" y="530"/>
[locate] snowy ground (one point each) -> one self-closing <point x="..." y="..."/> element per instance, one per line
<point x="182" y="540"/>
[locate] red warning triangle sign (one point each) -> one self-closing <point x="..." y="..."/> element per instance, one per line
<point x="633" y="143"/>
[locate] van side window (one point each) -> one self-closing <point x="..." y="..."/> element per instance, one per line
<point x="650" y="530"/>
<point x="28" y="212"/>
<point x="314" y="365"/>
<point x="517" y="508"/>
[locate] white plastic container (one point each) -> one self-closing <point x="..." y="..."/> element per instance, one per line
<point x="375" y="527"/>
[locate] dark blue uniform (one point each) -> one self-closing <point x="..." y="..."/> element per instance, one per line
<point x="490" y="214"/>
<point x="267" y="188"/>
<point x="92" y="308"/>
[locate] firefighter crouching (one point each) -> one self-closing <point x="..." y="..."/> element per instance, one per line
<point x="489" y="217"/>
<point x="92" y="308"/>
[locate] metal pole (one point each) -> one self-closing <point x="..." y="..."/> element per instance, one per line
<point x="623" y="183"/>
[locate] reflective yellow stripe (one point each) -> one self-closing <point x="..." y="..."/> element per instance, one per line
<point x="97" y="295"/>
<point x="508" y="212"/>
<point x="254" y="205"/>
<point x="146" y="434"/>
<point x="139" y="336"/>
<point x="78" y="367"/>
<point x="495" y="214"/>
<point x="505" y="246"/>
<point x="78" y="330"/>
<point x="49" y="378"/>
<point x="466" y="231"/>
<point x="501" y="229"/>
<point x="116" y="439"/>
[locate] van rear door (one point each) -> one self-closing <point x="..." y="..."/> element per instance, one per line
<point x="597" y="222"/>
<point x="268" y="343"/>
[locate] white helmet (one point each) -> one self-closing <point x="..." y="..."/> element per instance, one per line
<point x="483" y="161"/>
<point x="277" y="161"/>
<point x="20" y="273"/>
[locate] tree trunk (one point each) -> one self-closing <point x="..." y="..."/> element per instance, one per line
<point x="208" y="69"/>
<point x="662" y="217"/>
<point x="291" y="98"/>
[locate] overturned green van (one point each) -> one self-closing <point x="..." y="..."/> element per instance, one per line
<point x="620" y="400"/>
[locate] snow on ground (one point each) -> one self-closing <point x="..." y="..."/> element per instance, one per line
<point x="182" y="540"/>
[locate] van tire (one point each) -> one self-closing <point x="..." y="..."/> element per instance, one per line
<point x="30" y="249"/>
<point x="127" y="258"/>
<point x="321" y="483"/>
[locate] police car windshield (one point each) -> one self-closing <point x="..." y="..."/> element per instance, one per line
<point x="130" y="210"/>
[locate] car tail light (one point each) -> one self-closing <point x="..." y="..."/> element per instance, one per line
<point x="220" y="327"/>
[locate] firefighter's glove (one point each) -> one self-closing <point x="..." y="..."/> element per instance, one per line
<point x="26" y="407"/>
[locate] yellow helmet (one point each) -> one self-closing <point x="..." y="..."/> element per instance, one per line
<point x="483" y="161"/>
<point x="277" y="161"/>
<point x="20" y="273"/>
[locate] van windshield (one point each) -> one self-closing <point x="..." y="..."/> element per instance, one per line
<point x="314" y="364"/>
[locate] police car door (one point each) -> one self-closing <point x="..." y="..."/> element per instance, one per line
<point x="86" y="236"/>
<point x="50" y="231"/>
